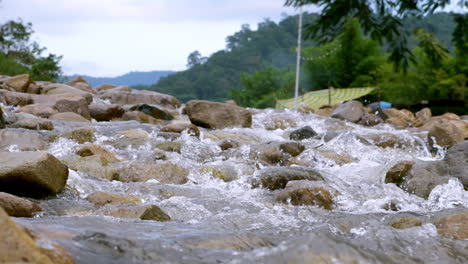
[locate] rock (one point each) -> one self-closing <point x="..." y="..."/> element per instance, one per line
<point x="454" y="226"/>
<point x="60" y="88"/>
<point x="145" y="212"/>
<point x="217" y="115"/>
<point x="370" y="120"/>
<point x="32" y="174"/>
<point x="104" y="87"/>
<point x="387" y="140"/>
<point x="241" y="242"/>
<point x="324" y="112"/>
<point x="400" y="119"/>
<point x="121" y="88"/>
<point x="16" y="246"/>
<point x="18" y="207"/>
<point x="397" y="173"/>
<point x="105" y="112"/>
<point x="141" y="97"/>
<point x="80" y="135"/>
<point x="406" y="222"/>
<point x="68" y="116"/>
<point x="2" y="119"/>
<point x="307" y="193"/>
<point x="80" y="83"/>
<point x="140" y="117"/>
<point x="302" y="133"/>
<point x="93" y="149"/>
<point x="102" y="198"/>
<point x="397" y="122"/>
<point x="280" y="122"/>
<point x="338" y="158"/>
<point x="450" y="116"/>
<point x="456" y="159"/>
<point x="223" y="172"/>
<point x="444" y="134"/>
<point x="292" y="148"/>
<point x="31" y="122"/>
<point x="131" y="137"/>
<point x="19" y="83"/>
<point x="275" y="178"/>
<point x="217" y="135"/>
<point x="179" y="127"/>
<point x="228" y="144"/>
<point x="153" y="111"/>
<point x="15" y="98"/>
<point x="351" y="111"/>
<point x="424" y="115"/>
<point x="169" y="146"/>
<point x="40" y="110"/>
<point x="94" y="166"/>
<point x="166" y="173"/>
<point x="24" y="140"/>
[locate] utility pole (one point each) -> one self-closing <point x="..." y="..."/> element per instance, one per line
<point x="298" y="61"/>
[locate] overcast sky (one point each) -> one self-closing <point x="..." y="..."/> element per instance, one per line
<point x="113" y="37"/>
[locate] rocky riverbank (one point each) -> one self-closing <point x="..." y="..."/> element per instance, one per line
<point x="111" y="174"/>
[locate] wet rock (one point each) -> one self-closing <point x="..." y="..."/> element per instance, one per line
<point x="94" y="166"/>
<point x="18" y="83"/>
<point x="397" y="173"/>
<point x="169" y="146"/>
<point x="269" y="154"/>
<point x="302" y="133"/>
<point x="80" y="135"/>
<point x="400" y="119"/>
<point x="387" y="140"/>
<point x="406" y="222"/>
<point x="370" y="120"/>
<point x="166" y="173"/>
<point x="16" y="246"/>
<point x="307" y="193"/>
<point x="325" y="111"/>
<point x="456" y="159"/>
<point x="223" y="172"/>
<point x="445" y="134"/>
<point x="140" y="97"/>
<point x="31" y="122"/>
<point x="132" y="137"/>
<point x="14" y="98"/>
<point x="32" y="174"/>
<point x="105" y="112"/>
<point x="236" y="242"/>
<point x="338" y="158"/>
<point x="225" y="135"/>
<point x="93" y="149"/>
<point x="141" y="117"/>
<point x="2" y="119"/>
<point x="153" y="111"/>
<point x="274" y="178"/>
<point x="179" y="127"/>
<point x="454" y="226"/>
<point x="228" y="144"/>
<point x="17" y="206"/>
<point x="102" y="198"/>
<point x="68" y="116"/>
<point x="81" y="84"/>
<point x="424" y="115"/>
<point x="144" y="212"/>
<point x="280" y="122"/>
<point x="292" y="148"/>
<point x="24" y="140"/>
<point x="351" y="111"/>
<point x="217" y="115"/>
<point x="40" y="110"/>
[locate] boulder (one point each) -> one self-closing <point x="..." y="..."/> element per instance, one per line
<point x="143" y="212"/>
<point x="406" y="222"/>
<point x="81" y="84"/>
<point x="153" y="111"/>
<point x="2" y="119"/>
<point x="351" y="111"/>
<point x="121" y="88"/>
<point x="32" y="174"/>
<point x="105" y="112"/>
<point x="217" y="115"/>
<point x="169" y="146"/>
<point x="179" y="127"/>
<point x="454" y="226"/>
<point x="16" y="246"/>
<point x="397" y="172"/>
<point x="102" y="198"/>
<point x="60" y="88"/>
<point x="387" y="140"/>
<point x="228" y="144"/>
<point x="456" y="159"/>
<point x="274" y="178"/>
<point x="131" y="137"/>
<point x="424" y="115"/>
<point x="18" y="83"/>
<point x="24" y="140"/>
<point x="94" y="166"/>
<point x="40" y="110"/>
<point x="80" y="135"/>
<point x="224" y="172"/>
<point x="292" y="148"/>
<point x="104" y="87"/>
<point x="31" y="122"/>
<point x="68" y="116"/>
<point x="339" y="158"/>
<point x="141" y="117"/>
<point x="445" y="134"/>
<point x="307" y="193"/>
<point x="302" y="133"/>
<point x="370" y="120"/>
<point x="400" y="119"/>
<point x="93" y="149"/>
<point x="140" y="97"/>
<point x="15" y="98"/>
<point x="166" y="173"/>
<point x="17" y="206"/>
<point x="281" y="121"/>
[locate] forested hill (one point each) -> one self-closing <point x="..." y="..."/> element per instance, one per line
<point x="247" y="51"/>
<point x="129" y="79"/>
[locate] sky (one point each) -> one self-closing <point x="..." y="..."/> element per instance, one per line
<point x="113" y="37"/>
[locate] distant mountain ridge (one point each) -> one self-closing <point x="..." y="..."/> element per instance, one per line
<point x="133" y="78"/>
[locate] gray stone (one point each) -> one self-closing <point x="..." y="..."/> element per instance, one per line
<point x="302" y="133"/>
<point x="274" y="178"/>
<point x="217" y="115"/>
<point x="351" y="111"/>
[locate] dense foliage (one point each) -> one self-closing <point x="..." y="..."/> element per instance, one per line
<point x="18" y="54"/>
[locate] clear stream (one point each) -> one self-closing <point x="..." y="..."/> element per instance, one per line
<point x="230" y="222"/>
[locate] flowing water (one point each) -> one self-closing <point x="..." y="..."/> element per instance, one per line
<point x="230" y="222"/>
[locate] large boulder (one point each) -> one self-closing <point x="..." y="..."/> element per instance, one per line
<point x="166" y="173"/>
<point x="274" y="178"/>
<point x="454" y="226"/>
<point x="59" y="88"/>
<point x="17" y="206"/>
<point x="68" y="116"/>
<point x="217" y="115"/>
<point x="32" y="174"/>
<point x="95" y="166"/>
<point x="140" y="97"/>
<point x="39" y="110"/>
<point x="424" y="115"/>
<point x="153" y="111"/>
<point x="105" y="112"/>
<point x="15" y="98"/>
<point x="445" y="134"/>
<point x="457" y="162"/>
<point x="93" y="149"/>
<point x="21" y="139"/>
<point x="351" y="111"/>
<point x="28" y="121"/>
<point x="81" y="84"/>
<point x="18" y="83"/>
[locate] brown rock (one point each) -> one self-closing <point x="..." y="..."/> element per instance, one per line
<point x="40" y="110"/>
<point x="292" y="148"/>
<point x="406" y="222"/>
<point x="339" y="158"/>
<point x="80" y="83"/>
<point x="93" y="149"/>
<point x="18" y="207"/>
<point x="32" y="174"/>
<point x="68" y="116"/>
<point x="145" y="212"/>
<point x="94" y="166"/>
<point x="307" y="193"/>
<point x="2" y="119"/>
<point x="19" y="83"/>
<point x="140" y="97"/>
<point x="103" y="112"/>
<point x="153" y="110"/>
<point x="424" y="115"/>
<point x="217" y="115"/>
<point x="31" y="122"/>
<point x="280" y="122"/>
<point x="275" y="178"/>
<point x="370" y="120"/>
<point x="104" y="87"/>
<point x="445" y="134"/>
<point x="24" y="140"/>
<point x="398" y="172"/>
<point x="166" y="173"/>
<point x="80" y="135"/>
<point x="227" y="144"/>
<point x="141" y="117"/>
<point x="102" y="198"/>
<point x="179" y="127"/>
<point x="15" y="98"/>
<point x="454" y="226"/>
